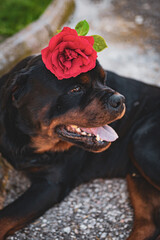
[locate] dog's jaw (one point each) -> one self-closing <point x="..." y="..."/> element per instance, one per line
<point x="81" y="138"/>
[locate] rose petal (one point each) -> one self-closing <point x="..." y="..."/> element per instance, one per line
<point x="54" y="58"/>
<point x="57" y="39"/>
<point x="90" y="39"/>
<point x="45" y="53"/>
<point x="86" y="61"/>
<point x="75" y="65"/>
<point x="69" y="38"/>
<point x="68" y="30"/>
<point x="81" y="53"/>
<point x="49" y="61"/>
<point x="70" y="54"/>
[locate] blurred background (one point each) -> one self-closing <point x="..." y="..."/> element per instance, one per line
<point x="17" y="14"/>
<point x="130" y="28"/>
<point x="101" y="209"/>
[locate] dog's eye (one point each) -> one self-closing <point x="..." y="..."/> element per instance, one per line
<point x="76" y="89"/>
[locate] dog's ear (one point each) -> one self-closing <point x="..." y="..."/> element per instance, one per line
<point x="22" y="64"/>
<point x="19" y="89"/>
<point x="15" y="82"/>
<point x="19" y="75"/>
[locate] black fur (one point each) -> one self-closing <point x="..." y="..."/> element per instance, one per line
<point x="31" y="97"/>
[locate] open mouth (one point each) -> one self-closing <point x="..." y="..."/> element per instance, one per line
<point x="93" y="139"/>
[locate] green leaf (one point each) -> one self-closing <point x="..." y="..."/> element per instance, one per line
<point x="58" y="31"/>
<point x="82" y="28"/>
<point x="99" y="43"/>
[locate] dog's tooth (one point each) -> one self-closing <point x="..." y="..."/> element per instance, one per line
<point x="78" y="130"/>
<point x="84" y="133"/>
<point x="89" y="134"/>
<point x="69" y="128"/>
<point x="98" y="138"/>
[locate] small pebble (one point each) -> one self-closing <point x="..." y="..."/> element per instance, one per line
<point x="83" y="227"/>
<point x="67" y="230"/>
<point x="139" y="19"/>
<point x="103" y="235"/>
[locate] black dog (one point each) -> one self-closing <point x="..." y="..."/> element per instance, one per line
<point x="39" y="116"/>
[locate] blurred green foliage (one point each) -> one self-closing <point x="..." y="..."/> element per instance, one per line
<point x="16" y="14"/>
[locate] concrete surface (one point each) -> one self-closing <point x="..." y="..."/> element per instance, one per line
<point x="101" y="209"/>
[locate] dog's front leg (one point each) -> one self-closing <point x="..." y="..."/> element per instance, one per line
<point x="42" y="195"/>
<point x="146" y="203"/>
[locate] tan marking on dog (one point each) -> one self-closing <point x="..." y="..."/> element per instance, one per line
<point x="123" y="112"/>
<point x="62" y="146"/>
<point x="41" y="144"/>
<point x="145" y="176"/>
<point x="145" y="198"/>
<point x="44" y="144"/>
<point x="102" y="72"/>
<point x="43" y="111"/>
<point x="85" y="78"/>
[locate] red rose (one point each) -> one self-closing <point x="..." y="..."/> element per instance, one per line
<point x="68" y="54"/>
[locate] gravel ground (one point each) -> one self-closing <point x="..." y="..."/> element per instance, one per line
<point x="97" y="210"/>
<point x="101" y="209"/>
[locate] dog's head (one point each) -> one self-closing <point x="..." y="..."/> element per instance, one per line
<point x="52" y="115"/>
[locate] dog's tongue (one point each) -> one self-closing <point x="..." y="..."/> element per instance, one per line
<point x="106" y="133"/>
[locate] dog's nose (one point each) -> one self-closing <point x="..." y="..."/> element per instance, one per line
<point x="116" y="100"/>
